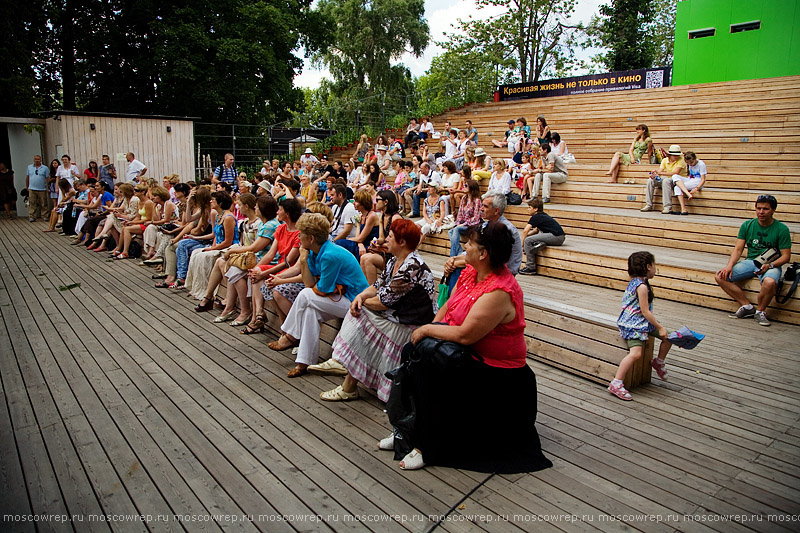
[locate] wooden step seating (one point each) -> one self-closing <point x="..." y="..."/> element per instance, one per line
<point x="573" y="338"/>
<point x="693" y="232"/>
<point x="683" y="275"/>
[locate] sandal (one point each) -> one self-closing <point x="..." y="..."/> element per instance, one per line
<point x="177" y="285"/>
<point x="278" y="347"/>
<point x="387" y="444"/>
<point x="339" y="395"/>
<point x="620" y="392"/>
<point x="255" y="327"/>
<point x="297" y="371"/>
<point x="224" y="317"/>
<point x="121" y="255"/>
<point x="660" y="368"/>
<point x="162" y="285"/>
<point x="331" y="367"/>
<point x="246" y="320"/>
<point x="205" y="305"/>
<point x="412" y="461"/>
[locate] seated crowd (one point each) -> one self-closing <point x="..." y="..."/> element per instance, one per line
<point x="327" y="240"/>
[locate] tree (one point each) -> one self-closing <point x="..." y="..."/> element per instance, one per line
<point x="363" y="38"/>
<point x="637" y="33"/>
<point x="534" y="32"/>
<point x="221" y="60"/>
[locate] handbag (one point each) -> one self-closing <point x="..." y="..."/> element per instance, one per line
<point x="335" y="296"/>
<point x="242" y="261"/>
<point x="513" y="198"/>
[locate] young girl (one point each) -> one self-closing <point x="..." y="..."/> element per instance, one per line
<point x="637" y="321"/>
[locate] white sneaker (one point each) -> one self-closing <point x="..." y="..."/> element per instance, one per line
<point x="646" y="208"/>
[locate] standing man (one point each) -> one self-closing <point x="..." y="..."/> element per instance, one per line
<point x="36" y="183"/>
<point x="761" y="235"/>
<point x="226" y="172"/>
<point x="107" y="172"/>
<point x="135" y="168"/>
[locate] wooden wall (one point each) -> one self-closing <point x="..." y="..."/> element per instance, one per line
<point x="163" y="153"/>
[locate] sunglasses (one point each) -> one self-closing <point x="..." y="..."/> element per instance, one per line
<point x="766" y="198"/>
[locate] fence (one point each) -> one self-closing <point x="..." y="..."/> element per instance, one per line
<point x="336" y="125"/>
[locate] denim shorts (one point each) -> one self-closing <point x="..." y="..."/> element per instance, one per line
<point x="746" y="270"/>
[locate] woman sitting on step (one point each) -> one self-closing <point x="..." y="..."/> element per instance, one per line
<point x="201" y="259"/>
<point x="382" y="318"/>
<point x="332" y="278"/>
<point x="248" y="228"/>
<point x="641" y="147"/>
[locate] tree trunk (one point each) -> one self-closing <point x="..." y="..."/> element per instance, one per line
<point x="68" y="55"/>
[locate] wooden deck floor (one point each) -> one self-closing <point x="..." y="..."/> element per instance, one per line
<point x="126" y="410"/>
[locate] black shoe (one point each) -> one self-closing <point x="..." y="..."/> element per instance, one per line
<point x="528" y="271"/>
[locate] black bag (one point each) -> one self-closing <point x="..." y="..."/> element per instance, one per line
<point x="135" y="249"/>
<point x="513" y="198"/>
<point x="791" y="275"/>
<point x="408" y="387"/>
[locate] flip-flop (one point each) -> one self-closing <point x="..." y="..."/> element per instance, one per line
<point x="162" y="285"/>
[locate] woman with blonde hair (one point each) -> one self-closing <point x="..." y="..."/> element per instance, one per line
<point x="332" y="278"/>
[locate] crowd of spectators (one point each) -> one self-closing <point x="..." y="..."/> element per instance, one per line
<point x="313" y="240"/>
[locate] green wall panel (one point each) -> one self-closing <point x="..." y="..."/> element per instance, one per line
<point x="771" y="51"/>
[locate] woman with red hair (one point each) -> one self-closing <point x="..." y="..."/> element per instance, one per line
<point x="381" y="319"/>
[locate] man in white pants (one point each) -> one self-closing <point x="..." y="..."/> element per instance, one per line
<point x="325" y="267"/>
<point x="555" y="172"/>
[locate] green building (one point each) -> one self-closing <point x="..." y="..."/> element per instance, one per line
<point x="724" y="40"/>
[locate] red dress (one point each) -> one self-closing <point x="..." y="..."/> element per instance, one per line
<point x="504" y="346"/>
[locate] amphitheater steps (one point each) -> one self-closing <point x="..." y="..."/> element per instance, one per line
<point x="694" y="232"/>
<point x="683" y="275"/>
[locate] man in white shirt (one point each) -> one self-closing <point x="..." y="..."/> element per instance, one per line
<point x="135" y="168"/>
<point x="307" y="156"/>
<point x="343" y="225"/>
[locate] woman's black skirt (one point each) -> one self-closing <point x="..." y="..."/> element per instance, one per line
<point x="462" y="413"/>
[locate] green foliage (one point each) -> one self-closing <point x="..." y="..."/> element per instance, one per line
<point x="363" y="38"/>
<point x="530" y="37"/>
<point x="637" y="33"/>
<point x="221" y="60"/>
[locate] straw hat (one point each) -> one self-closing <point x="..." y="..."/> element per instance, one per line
<point x="674" y="149"/>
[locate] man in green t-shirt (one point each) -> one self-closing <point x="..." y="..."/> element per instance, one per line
<point x="759" y="234"/>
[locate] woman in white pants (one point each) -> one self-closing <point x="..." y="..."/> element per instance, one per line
<point x="333" y="278"/>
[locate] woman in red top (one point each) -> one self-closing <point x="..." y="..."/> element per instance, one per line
<point x="92" y="171"/>
<point x="478" y="414"/>
<point x="282" y="254"/>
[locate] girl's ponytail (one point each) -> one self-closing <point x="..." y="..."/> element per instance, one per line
<point x="637" y="268"/>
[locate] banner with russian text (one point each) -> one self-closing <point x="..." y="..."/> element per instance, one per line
<point x="593" y="83"/>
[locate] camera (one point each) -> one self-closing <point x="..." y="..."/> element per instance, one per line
<point x="767" y="256"/>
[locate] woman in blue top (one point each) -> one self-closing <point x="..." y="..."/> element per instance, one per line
<point x="201" y="260"/>
<point x="333" y="278"/>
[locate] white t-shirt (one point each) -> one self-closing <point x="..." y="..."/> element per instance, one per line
<point x="348" y="211"/>
<point x="450" y="148"/>
<point x="698" y="170"/>
<point x="427" y="127"/>
<point x="433" y="177"/>
<point x="556" y="148"/>
<point x="451" y="180"/>
<point x="66" y="173"/>
<point x="135" y="168"/>
<point x="308" y="157"/>
<point x="500" y="183"/>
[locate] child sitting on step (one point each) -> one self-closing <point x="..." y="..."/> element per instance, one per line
<point x="637" y="321"/>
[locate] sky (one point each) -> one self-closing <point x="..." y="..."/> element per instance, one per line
<point x="441" y="15"/>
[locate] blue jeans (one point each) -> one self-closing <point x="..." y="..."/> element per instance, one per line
<point x="184" y="251"/>
<point x="455" y="239"/>
<point x="417" y="198"/>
